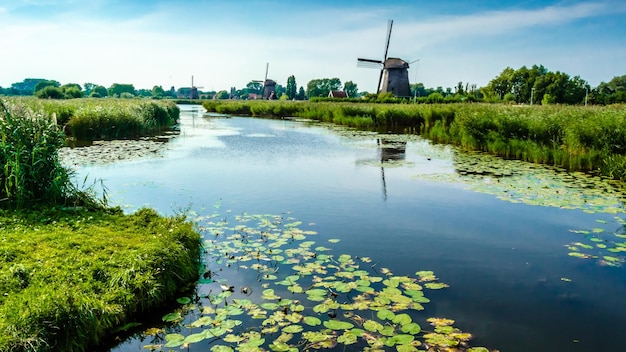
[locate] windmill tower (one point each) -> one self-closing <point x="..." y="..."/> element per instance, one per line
<point x="394" y="72"/>
<point x="269" y="85"/>
<point x="193" y="93"/>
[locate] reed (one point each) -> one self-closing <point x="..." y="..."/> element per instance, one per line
<point x="31" y="171"/>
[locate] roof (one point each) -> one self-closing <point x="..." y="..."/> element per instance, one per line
<point x="337" y="94"/>
<point x="394" y="62"/>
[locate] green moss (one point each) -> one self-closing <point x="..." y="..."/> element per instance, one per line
<point x="69" y="277"/>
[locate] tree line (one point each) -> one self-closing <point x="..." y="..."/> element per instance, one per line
<point x="534" y="85"/>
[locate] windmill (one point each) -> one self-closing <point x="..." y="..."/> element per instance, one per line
<point x="269" y="85"/>
<point x="394" y="72"/>
<point x="193" y="93"/>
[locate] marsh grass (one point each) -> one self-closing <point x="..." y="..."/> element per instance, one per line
<point x="69" y="277"/>
<point x="101" y="119"/>
<point x="577" y="138"/>
<point x="31" y="171"/>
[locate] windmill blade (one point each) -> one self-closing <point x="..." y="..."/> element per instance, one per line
<point x="389" y="28"/>
<point x="267" y="68"/>
<point x="368" y="63"/>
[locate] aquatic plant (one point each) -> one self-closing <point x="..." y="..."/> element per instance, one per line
<point x="69" y="277"/>
<point x="267" y="286"/>
<point x="31" y="171"/>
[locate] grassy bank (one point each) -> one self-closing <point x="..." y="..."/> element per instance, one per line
<point x="69" y="277"/>
<point x="100" y="119"/>
<point x="590" y="139"/>
<point x="71" y="269"/>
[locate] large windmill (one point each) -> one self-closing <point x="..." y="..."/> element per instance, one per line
<point x="394" y="72"/>
<point x="269" y="85"/>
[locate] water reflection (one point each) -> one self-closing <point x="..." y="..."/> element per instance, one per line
<point x="390" y="151"/>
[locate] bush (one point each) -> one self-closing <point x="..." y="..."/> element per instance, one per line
<point x="50" y="92"/>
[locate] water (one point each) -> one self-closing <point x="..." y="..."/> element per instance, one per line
<point x="506" y="263"/>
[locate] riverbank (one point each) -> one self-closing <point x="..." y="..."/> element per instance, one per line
<point x="71" y="276"/>
<point x="576" y="138"/>
<point x="72" y="270"/>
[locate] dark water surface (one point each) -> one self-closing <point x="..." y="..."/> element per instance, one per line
<point x="504" y="261"/>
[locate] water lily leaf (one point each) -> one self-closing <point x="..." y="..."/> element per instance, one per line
<point x="435" y="285"/>
<point x="195" y="338"/>
<point x="233" y="338"/>
<point x="220" y="348"/>
<point x="385" y="314"/>
<point x="477" y="349"/>
<point x="372" y="325"/>
<point x="579" y="255"/>
<point x="206" y="320"/>
<point x="172" y="317"/>
<point x="338" y="325"/>
<point x="183" y="300"/>
<point x="334" y="240"/>
<point x="440" y="321"/>
<point x="347" y="338"/>
<point x="411" y="328"/>
<point x="312" y="321"/>
<point x="292" y="329"/>
<point x="402" y="319"/>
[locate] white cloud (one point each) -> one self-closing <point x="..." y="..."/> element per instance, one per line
<point x="168" y="45"/>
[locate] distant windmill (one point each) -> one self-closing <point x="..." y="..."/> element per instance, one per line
<point x="269" y="85"/>
<point x="193" y="94"/>
<point x="394" y="72"/>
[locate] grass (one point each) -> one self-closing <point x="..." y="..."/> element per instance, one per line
<point x="102" y="119"/>
<point x="577" y="138"/>
<point x="69" y="277"/>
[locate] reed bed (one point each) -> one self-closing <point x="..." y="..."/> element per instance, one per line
<point x="577" y="138"/>
<point x="31" y="171"/>
<point x="102" y="119"/>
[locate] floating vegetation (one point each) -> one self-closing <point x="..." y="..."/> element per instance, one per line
<point x="301" y="296"/>
<point x="522" y="182"/>
<point x="606" y="246"/>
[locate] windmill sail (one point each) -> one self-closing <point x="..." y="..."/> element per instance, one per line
<point x="371" y="63"/>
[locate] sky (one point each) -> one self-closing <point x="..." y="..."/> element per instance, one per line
<point x="225" y="44"/>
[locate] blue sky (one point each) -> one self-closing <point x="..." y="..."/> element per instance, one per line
<point x="228" y="43"/>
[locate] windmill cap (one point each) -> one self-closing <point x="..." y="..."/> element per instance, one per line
<point x="394" y="62"/>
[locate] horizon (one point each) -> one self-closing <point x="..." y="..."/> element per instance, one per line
<point x="158" y="43"/>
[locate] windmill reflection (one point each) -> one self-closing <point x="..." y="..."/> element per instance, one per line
<point x="390" y="151"/>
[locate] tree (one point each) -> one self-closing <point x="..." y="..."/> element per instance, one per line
<point x="158" y="91"/>
<point x="50" y="92"/>
<point x="46" y="83"/>
<point x="321" y="87"/>
<point x="351" y="89"/>
<point x="26" y="87"/>
<point x="89" y="88"/>
<point x="116" y="89"/>
<point x="72" y="92"/>
<point x="99" y="92"/>
<point x="222" y="94"/>
<point x="254" y="87"/>
<point x="301" y="94"/>
<point x="291" y="89"/>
